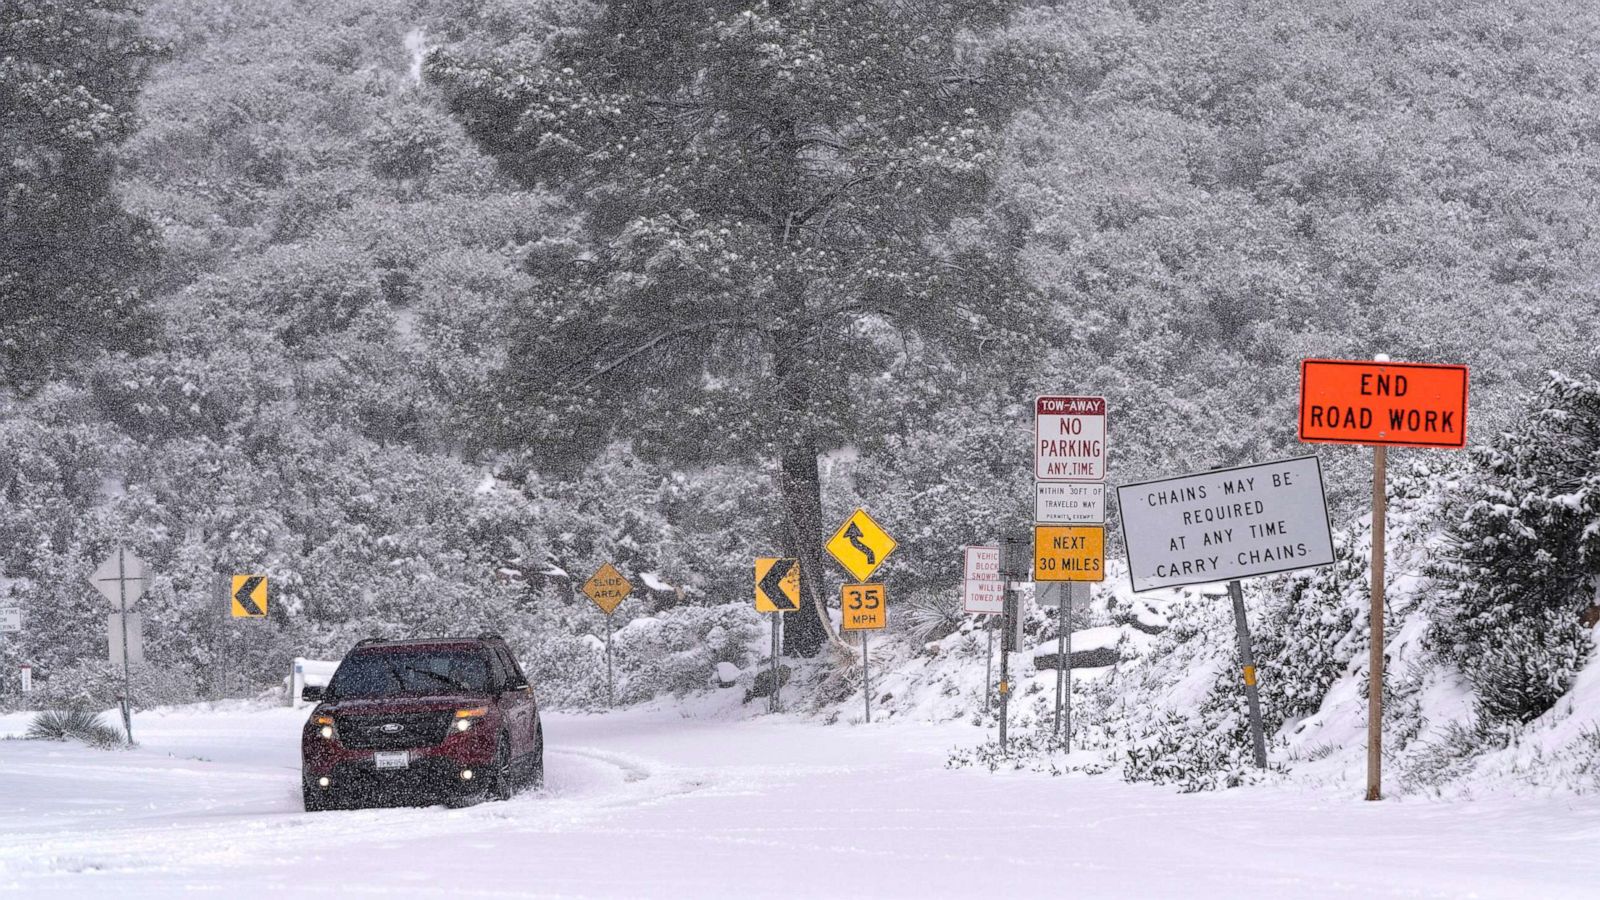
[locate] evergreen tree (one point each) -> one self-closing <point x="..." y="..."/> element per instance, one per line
<point x="70" y="71"/>
<point x="782" y="209"/>
<point x="1521" y="584"/>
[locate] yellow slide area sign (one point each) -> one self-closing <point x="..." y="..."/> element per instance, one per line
<point x="1069" y="553"/>
<point x="860" y="545"/>
<point x="777" y="585"/>
<point x="607" y="588"/>
<point x="249" y="596"/>
<point x="864" y="607"/>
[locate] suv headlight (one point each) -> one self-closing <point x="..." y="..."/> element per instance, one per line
<point x="324" y="726"/>
<point x="466" y="717"/>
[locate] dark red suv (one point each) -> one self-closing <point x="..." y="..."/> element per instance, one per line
<point x="422" y="721"/>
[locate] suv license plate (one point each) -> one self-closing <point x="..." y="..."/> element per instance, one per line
<point x="391" y="759"/>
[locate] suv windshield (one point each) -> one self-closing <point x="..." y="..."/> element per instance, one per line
<point x="391" y="672"/>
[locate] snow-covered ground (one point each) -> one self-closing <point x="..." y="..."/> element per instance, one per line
<point x="667" y="803"/>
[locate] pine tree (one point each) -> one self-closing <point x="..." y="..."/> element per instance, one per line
<point x="69" y="74"/>
<point x="1522" y="576"/>
<point x="782" y="207"/>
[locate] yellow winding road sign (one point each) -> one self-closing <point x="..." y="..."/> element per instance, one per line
<point x="861" y="545"/>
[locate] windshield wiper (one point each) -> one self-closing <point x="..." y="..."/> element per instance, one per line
<point x="444" y="678"/>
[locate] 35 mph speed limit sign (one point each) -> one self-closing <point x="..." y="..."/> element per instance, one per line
<point x="865" y="607"/>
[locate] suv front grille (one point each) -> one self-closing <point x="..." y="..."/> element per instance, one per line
<point x="424" y="729"/>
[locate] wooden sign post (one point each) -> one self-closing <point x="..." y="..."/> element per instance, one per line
<point x="1381" y="404"/>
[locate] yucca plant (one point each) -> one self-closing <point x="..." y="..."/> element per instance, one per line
<point x="932" y="616"/>
<point x="78" y="724"/>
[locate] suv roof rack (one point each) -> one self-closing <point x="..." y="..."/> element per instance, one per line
<point x="371" y="640"/>
<point x="490" y="636"/>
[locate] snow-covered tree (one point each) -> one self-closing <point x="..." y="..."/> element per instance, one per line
<point x="783" y="205"/>
<point x="70" y="256"/>
<point x="1522" y="581"/>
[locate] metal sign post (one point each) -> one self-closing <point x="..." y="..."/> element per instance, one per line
<point x="777" y="651"/>
<point x="610" y="698"/>
<point x="1066" y="664"/>
<point x="121" y="579"/>
<point x="1061" y="659"/>
<point x="1015" y="564"/>
<point x="866" y="683"/>
<point x="1065" y="595"/>
<point x="863" y="608"/>
<point x="1247" y="660"/>
<point x="988" y="672"/>
<point x="1005" y="663"/>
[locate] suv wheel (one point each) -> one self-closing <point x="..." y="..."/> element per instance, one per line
<point x="501" y="785"/>
<point x="536" y="769"/>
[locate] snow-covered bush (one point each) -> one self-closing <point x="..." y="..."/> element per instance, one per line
<point x="671" y="652"/>
<point x="567" y="671"/>
<point x="1450" y="756"/>
<point x="1524" y="560"/>
<point x="1311" y="629"/>
<point x="96" y="684"/>
<point x="1036" y="749"/>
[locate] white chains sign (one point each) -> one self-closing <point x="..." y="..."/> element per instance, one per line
<point x="1226" y="524"/>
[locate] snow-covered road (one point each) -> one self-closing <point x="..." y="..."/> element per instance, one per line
<point x="649" y="803"/>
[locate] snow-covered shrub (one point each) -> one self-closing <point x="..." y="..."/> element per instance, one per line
<point x="1530" y="664"/>
<point x="1310" y="630"/>
<point x="567" y="671"/>
<point x="1036" y="750"/>
<point x="1524" y="560"/>
<point x="1454" y="754"/>
<point x="96" y="684"/>
<point x="673" y="652"/>
<point x="1585" y="756"/>
<point x="1206" y="751"/>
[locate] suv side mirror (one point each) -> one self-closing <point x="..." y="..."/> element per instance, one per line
<point x="312" y="693"/>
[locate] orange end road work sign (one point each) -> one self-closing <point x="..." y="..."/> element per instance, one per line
<point x="1383" y="403"/>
